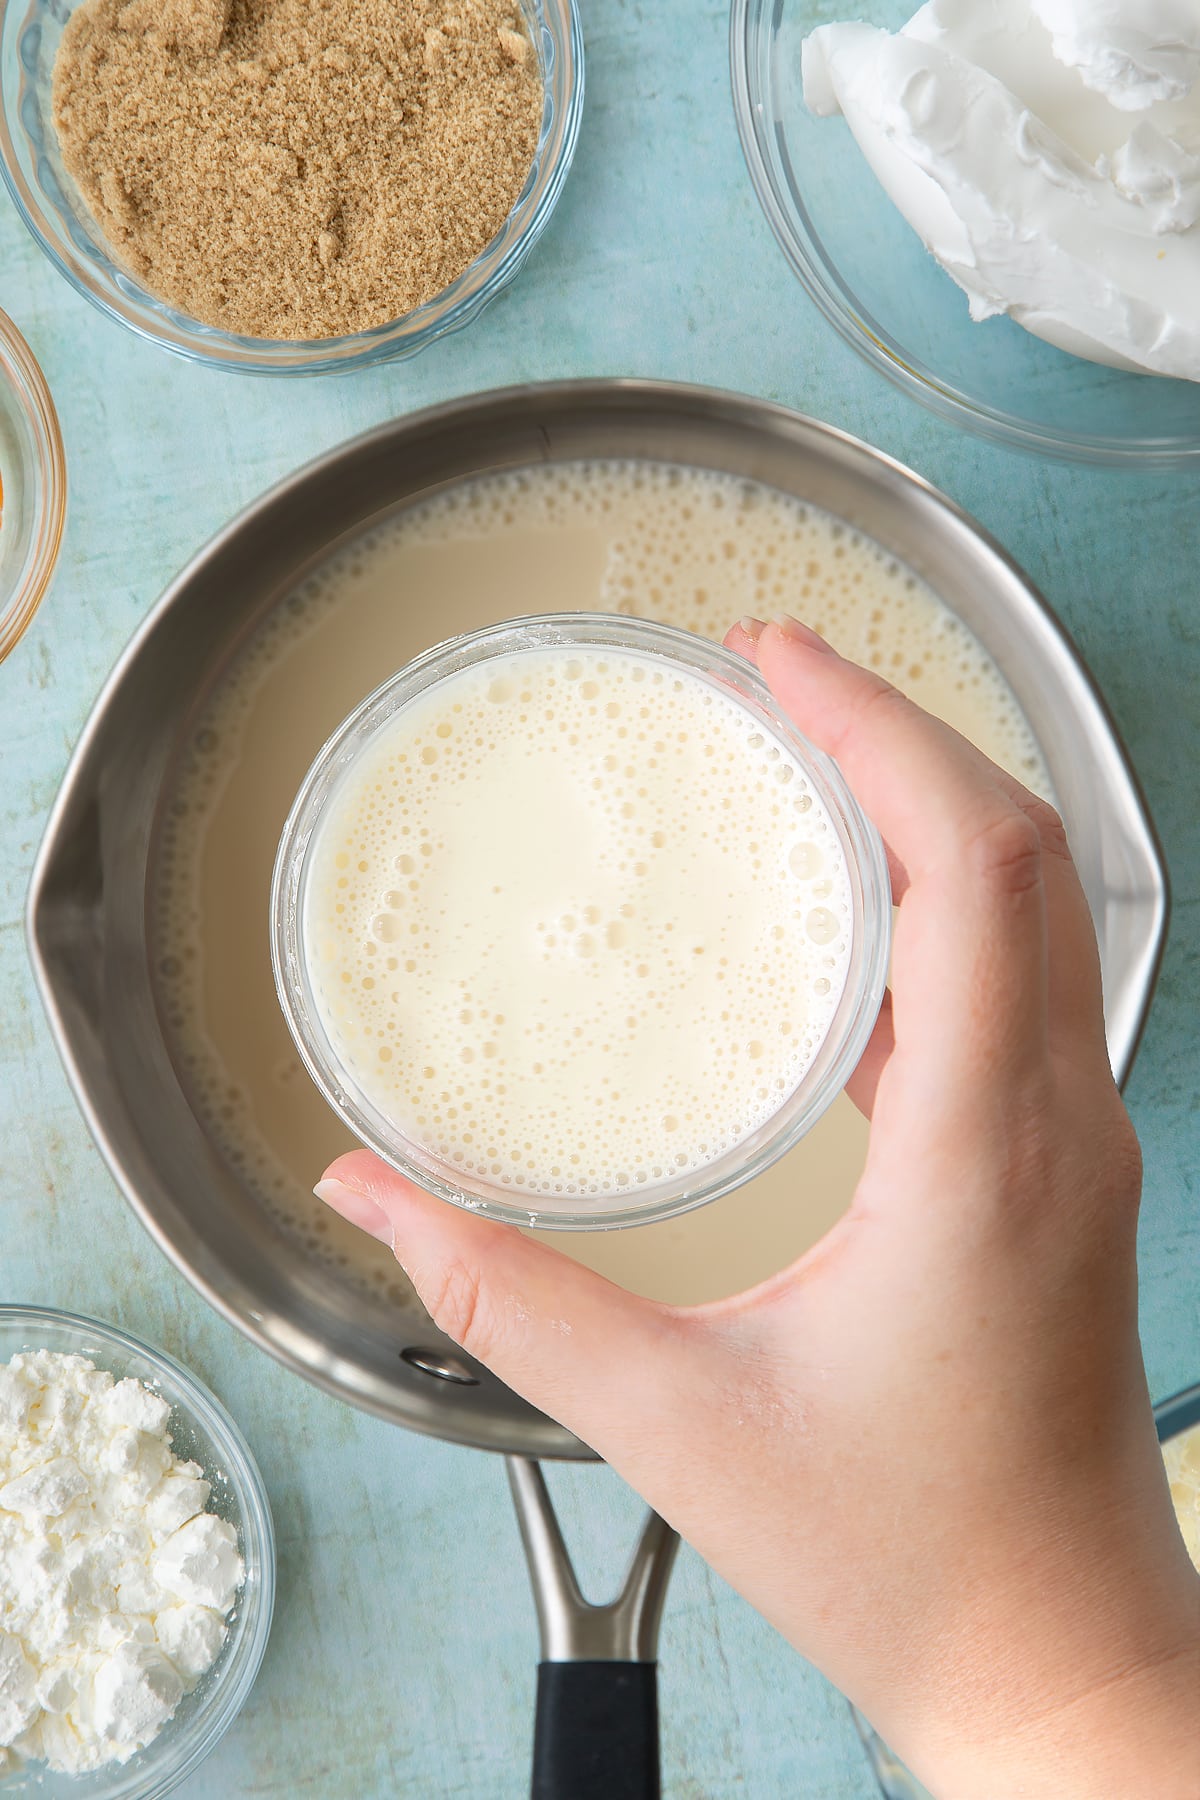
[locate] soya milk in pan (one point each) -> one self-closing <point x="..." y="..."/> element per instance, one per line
<point x="691" y="548"/>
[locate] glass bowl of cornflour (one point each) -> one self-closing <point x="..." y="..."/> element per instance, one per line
<point x="572" y="926"/>
<point x="200" y="1432"/>
<point x="50" y="200"/>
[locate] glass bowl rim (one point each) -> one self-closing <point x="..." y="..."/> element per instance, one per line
<point x="840" y="307"/>
<point x="220" y="1707"/>
<point x="453" y="307"/>
<point x="25" y="381"/>
<point x="857" y="1007"/>
<point x="1177" y="1412"/>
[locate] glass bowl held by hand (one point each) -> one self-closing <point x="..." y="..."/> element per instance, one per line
<point x="33" y="485"/>
<point x="665" y="1191"/>
<point x="203" y="1432"/>
<point x="870" y="275"/>
<point x="48" y="201"/>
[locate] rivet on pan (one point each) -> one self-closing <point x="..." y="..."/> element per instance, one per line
<point x="441" y="1366"/>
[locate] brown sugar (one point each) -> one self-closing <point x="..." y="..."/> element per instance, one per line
<point x="297" y="168"/>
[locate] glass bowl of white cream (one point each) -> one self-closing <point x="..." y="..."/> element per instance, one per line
<point x="201" y="1432"/>
<point x="572" y="926"/>
<point x="1057" y="178"/>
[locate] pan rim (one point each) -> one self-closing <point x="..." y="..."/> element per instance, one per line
<point x="620" y="396"/>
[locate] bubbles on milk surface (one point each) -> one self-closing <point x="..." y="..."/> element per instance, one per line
<point x="692" y="548"/>
<point x="560" y="922"/>
<point x="699" y="549"/>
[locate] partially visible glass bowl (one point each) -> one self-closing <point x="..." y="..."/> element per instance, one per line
<point x="203" y="1431"/>
<point x="33" y="485"/>
<point x="1172" y="1416"/>
<point x="47" y="199"/>
<point x="872" y="278"/>
<point x="1177" y="1414"/>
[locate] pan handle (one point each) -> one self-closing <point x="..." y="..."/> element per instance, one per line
<point x="596" y="1730"/>
<point x="595" y="1736"/>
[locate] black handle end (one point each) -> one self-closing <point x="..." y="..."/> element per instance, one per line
<point x="596" y="1735"/>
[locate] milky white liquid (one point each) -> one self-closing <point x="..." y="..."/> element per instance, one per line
<point x="689" y="547"/>
<point x="576" y="922"/>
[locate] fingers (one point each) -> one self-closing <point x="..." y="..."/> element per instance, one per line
<point x="976" y="904"/>
<point x="605" y="1363"/>
<point x="874" y="1059"/>
<point x="916" y="774"/>
<point x="994" y="877"/>
<point x="927" y="790"/>
<point x="743" y="641"/>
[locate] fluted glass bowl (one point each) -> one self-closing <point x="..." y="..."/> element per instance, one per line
<point x="49" y="203"/>
<point x="203" y="1431"/>
<point x="1172" y="1416"/>
<point x="33" y="485"/>
<point x="872" y="278"/>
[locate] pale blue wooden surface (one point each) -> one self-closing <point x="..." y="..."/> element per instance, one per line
<point x="404" y="1648"/>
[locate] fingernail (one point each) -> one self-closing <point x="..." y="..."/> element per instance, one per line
<point x="357" y="1209"/>
<point x="800" y="634"/>
<point x="752" y="628"/>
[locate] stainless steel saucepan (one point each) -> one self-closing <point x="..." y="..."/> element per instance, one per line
<point x="88" y="937"/>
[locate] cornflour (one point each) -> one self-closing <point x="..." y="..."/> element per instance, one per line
<point x="115" y="1583"/>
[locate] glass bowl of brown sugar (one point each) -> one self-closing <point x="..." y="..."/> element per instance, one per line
<point x="267" y="243"/>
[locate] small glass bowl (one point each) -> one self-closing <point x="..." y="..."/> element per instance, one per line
<point x="33" y="485"/>
<point x="870" y="275"/>
<point x="1172" y="1416"/>
<point x="47" y="200"/>
<point x="202" y="1431"/>
<point x="834" y="1061"/>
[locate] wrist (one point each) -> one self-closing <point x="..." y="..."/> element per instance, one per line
<point x="1126" y="1737"/>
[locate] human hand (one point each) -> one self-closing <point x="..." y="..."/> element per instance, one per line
<point x="925" y="1451"/>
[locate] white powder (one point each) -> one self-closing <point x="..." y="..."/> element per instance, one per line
<point x="115" y="1584"/>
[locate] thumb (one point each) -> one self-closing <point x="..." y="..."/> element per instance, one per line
<point x="603" y="1362"/>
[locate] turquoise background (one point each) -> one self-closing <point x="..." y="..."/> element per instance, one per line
<point x="402" y="1661"/>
